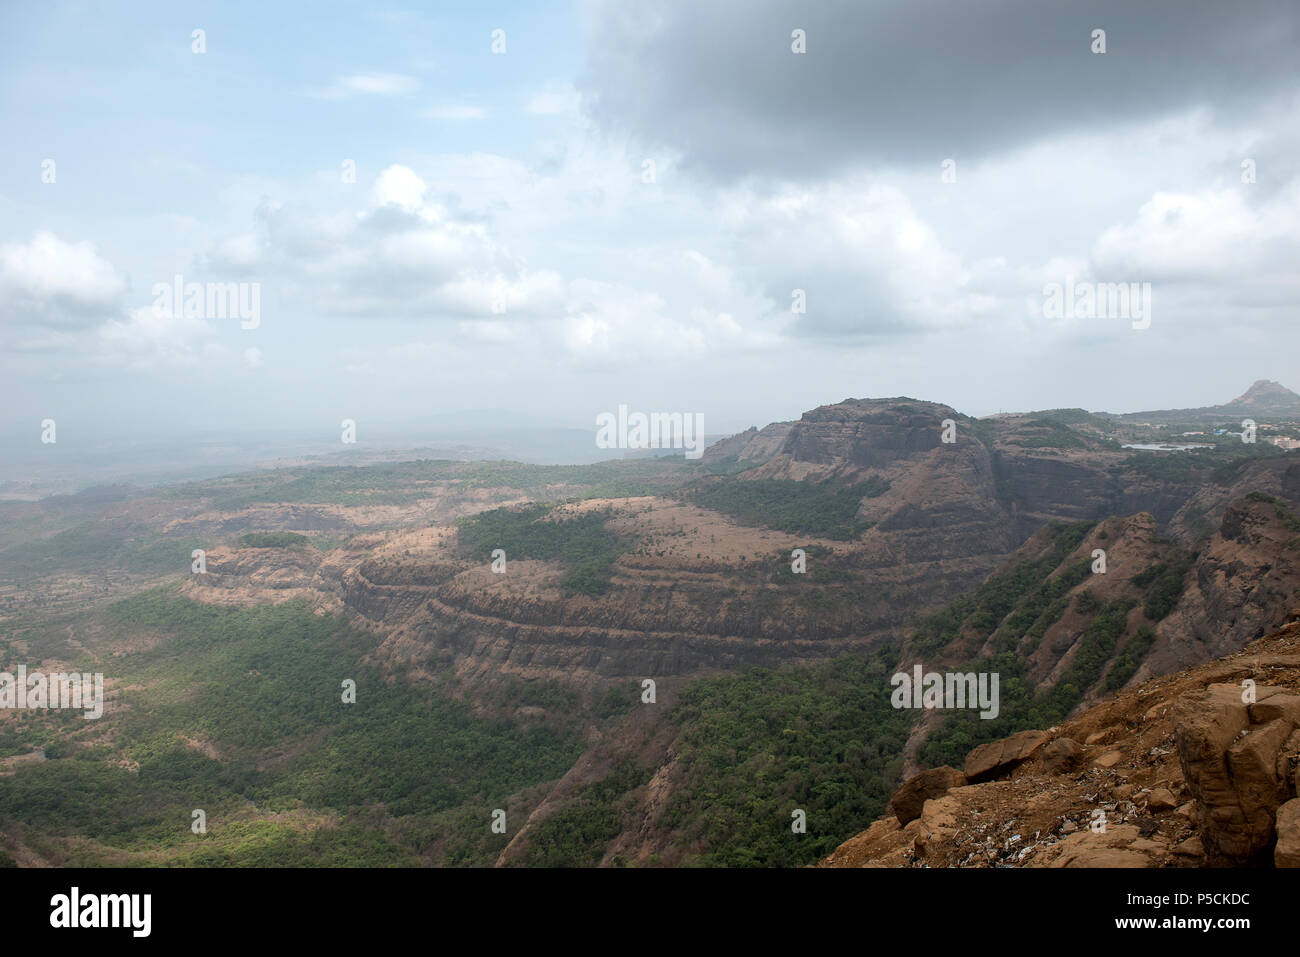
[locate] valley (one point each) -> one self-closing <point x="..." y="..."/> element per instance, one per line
<point x="500" y="621"/>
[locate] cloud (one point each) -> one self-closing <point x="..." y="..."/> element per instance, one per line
<point x="555" y="100"/>
<point x="455" y="112"/>
<point x="891" y="82"/>
<point x="54" y="283"/>
<point x="404" y="256"/>
<point x="147" y="338"/>
<point x="1211" y="235"/>
<point x="369" y="84"/>
<point x="399" y="186"/>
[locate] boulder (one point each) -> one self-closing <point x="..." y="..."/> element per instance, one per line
<point x="1272" y="704"/>
<point x="910" y="798"/>
<point x="1288" y="763"/>
<point x="1109" y="759"/>
<point x="1161" y="799"/>
<point x="997" y="758"/>
<point x="1061" y="756"/>
<point x="1287" y="852"/>
<point x="1121" y="845"/>
<point x="937" y="825"/>
<point x="1230" y="766"/>
<point x="1252" y="759"/>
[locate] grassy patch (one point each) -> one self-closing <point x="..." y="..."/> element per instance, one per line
<point x="790" y="506"/>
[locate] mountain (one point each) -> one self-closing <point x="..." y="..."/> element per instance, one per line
<point x="769" y="590"/>
<point x="1264" y="399"/>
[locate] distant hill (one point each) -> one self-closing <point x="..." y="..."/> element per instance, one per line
<point x="1268" y="398"/>
<point x="1264" y="398"/>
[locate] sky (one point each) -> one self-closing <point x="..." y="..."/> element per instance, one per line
<point x="612" y="203"/>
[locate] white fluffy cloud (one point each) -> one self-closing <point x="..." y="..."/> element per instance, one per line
<point x="1210" y="235"/>
<point x="50" y="282"/>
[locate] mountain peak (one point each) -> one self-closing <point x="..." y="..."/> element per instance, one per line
<point x="1267" y="394"/>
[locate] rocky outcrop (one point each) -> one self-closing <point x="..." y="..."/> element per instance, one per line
<point x="1177" y="772"/>
<point x="753" y="446"/>
<point x="1235" y="760"/>
<point x="1287" y="852"/>
<point x="997" y="758"/>
<point x="909" y="800"/>
<point x="1244" y="580"/>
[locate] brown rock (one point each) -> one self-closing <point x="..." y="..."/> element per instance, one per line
<point x="1061" y="756"/>
<point x="1252" y="761"/>
<point x="1272" y="704"/>
<point x="1288" y="763"/>
<point x="1109" y="759"/>
<point x="1192" y="847"/>
<point x="997" y="758"/>
<point x="1287" y="852"/>
<point x="910" y="798"/>
<point x="1206" y="723"/>
<point x="938" y="824"/>
<point x="1121" y="845"/>
<point x="1161" y="799"/>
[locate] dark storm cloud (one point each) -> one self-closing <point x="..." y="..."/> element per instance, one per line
<point x="918" y="80"/>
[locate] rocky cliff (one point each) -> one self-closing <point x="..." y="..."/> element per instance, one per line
<point x="1198" y="768"/>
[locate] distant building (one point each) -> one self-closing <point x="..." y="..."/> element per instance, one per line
<point x="1283" y="442"/>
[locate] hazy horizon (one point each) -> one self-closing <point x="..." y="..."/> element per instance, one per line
<point x="561" y="226"/>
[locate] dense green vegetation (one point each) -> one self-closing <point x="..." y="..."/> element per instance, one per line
<point x="1288" y="518"/>
<point x="754" y="747"/>
<point x="790" y="506"/>
<point x="1020" y="706"/>
<point x="241" y="710"/>
<point x="1078" y="417"/>
<point x="1037" y="608"/>
<point x="1162" y="585"/>
<point x="577" y="835"/>
<point x="758" y="745"/>
<point x="1012" y="611"/>
<point x="90" y="547"/>
<point x="1056" y="435"/>
<point x="580" y="541"/>
<point x="272" y="540"/>
<point x="981" y="610"/>
<point x="1130" y="657"/>
<point x="1221" y="465"/>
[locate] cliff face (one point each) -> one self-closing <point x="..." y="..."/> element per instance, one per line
<point x="697" y="590"/>
<point x="866" y="433"/>
<point x="752" y="446"/>
<point x="1187" y="770"/>
<point x="1243" y="581"/>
